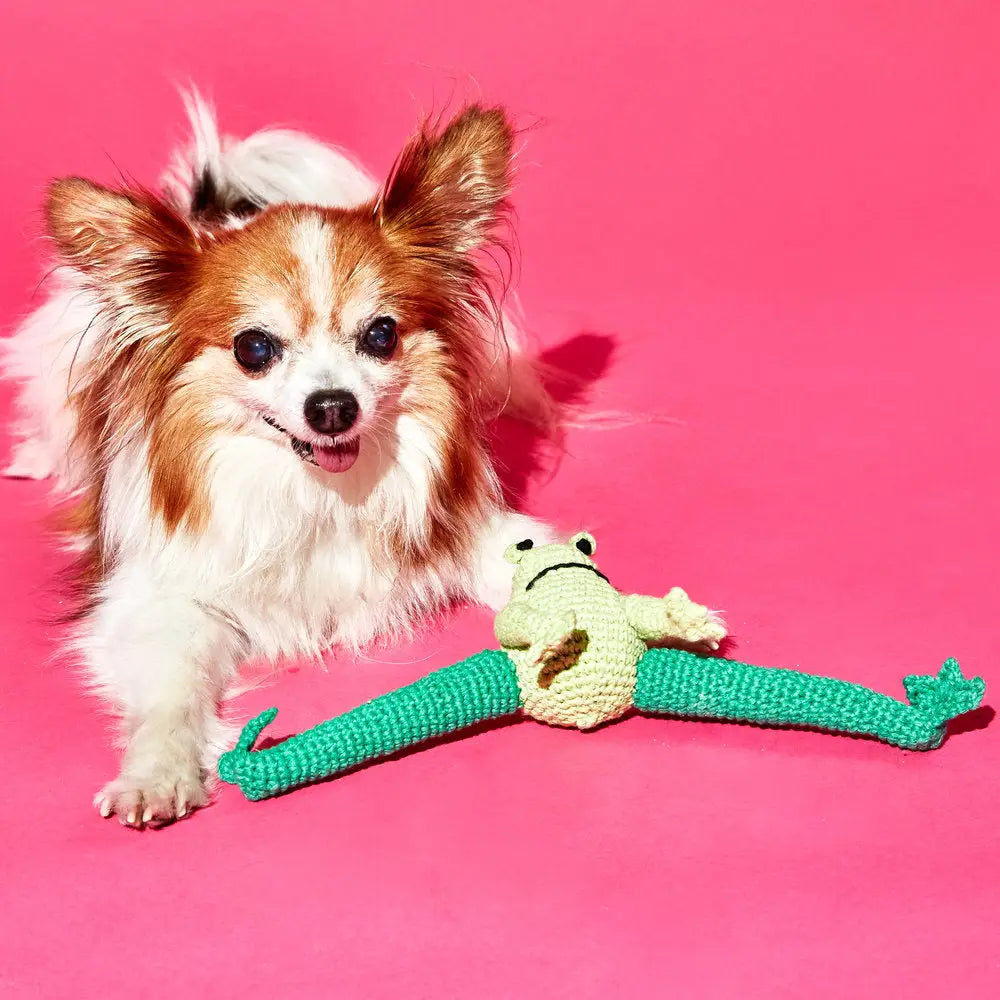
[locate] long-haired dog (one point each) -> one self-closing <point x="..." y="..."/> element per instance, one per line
<point x="264" y="395"/>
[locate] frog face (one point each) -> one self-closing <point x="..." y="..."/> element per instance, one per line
<point x="534" y="561"/>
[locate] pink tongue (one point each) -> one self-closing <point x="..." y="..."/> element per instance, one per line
<point x="336" y="459"/>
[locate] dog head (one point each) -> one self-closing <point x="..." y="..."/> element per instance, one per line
<point x="314" y="329"/>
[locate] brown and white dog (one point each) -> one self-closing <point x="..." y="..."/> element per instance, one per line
<point x="265" y="395"/>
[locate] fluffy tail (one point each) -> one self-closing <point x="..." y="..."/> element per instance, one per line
<point x="217" y="176"/>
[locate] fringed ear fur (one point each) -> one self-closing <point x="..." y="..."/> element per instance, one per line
<point x="117" y="236"/>
<point x="448" y="190"/>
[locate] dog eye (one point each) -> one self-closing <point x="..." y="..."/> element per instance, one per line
<point x="254" y="350"/>
<point x="380" y="339"/>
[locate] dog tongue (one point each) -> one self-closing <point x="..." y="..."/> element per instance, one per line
<point x="338" y="458"/>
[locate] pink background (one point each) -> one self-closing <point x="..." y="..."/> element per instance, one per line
<point x="776" y="232"/>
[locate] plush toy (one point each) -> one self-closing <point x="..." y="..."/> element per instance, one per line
<point x="576" y="654"/>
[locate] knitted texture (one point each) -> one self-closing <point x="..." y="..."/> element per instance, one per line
<point x="575" y="641"/>
<point x="680" y="683"/>
<point x="480" y="687"/>
<point x="576" y="655"/>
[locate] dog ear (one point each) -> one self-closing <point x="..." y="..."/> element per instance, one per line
<point x="127" y="238"/>
<point x="448" y="190"/>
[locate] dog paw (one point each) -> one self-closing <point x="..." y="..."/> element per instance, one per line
<point x="153" y="800"/>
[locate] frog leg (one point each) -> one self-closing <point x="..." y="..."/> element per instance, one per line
<point x="675" y="616"/>
<point x="520" y="625"/>
<point x="553" y="641"/>
<point x="481" y="687"/>
<point x="676" y="682"/>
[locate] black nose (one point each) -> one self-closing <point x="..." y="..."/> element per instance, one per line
<point x="331" y="411"/>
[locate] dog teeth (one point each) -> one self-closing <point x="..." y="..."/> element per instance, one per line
<point x="148" y="814"/>
<point x="301" y="448"/>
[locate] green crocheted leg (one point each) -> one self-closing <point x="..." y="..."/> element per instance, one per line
<point x="482" y="687"/>
<point x="676" y="682"/>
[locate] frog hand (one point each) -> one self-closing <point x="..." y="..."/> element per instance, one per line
<point x="692" y="622"/>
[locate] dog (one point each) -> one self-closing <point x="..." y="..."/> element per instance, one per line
<point x="264" y="395"/>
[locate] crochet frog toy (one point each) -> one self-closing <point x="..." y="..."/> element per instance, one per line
<point x="575" y="654"/>
<point x="576" y="642"/>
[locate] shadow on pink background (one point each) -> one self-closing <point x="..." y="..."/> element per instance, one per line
<point x="774" y="234"/>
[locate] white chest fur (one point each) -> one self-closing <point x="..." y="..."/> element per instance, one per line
<point x="292" y="561"/>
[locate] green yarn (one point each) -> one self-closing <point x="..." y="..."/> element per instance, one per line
<point x="576" y="655"/>
<point x="675" y="682"/>
<point x="575" y="639"/>
<point x="481" y="687"/>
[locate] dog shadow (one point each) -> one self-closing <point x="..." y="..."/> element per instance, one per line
<point x="523" y="451"/>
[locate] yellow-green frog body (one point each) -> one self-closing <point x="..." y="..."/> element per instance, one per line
<point x="576" y="642"/>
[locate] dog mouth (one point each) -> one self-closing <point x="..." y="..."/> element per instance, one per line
<point x="336" y="457"/>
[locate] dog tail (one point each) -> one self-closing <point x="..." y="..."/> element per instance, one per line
<point x="215" y="177"/>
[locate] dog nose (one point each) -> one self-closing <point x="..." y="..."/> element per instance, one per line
<point x="331" y="411"/>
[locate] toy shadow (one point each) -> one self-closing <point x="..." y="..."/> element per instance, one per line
<point x="978" y="718"/>
<point x="727" y="647"/>
<point x="523" y="451"/>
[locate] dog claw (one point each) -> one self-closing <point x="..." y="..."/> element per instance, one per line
<point x="153" y="804"/>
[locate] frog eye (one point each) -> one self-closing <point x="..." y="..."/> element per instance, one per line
<point x="515" y="553"/>
<point x="584" y="543"/>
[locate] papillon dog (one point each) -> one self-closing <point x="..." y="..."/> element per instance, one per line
<point x="264" y="394"/>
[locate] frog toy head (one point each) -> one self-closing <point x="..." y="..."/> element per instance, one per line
<point x="533" y="562"/>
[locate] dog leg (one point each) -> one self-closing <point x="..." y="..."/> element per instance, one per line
<point x="163" y="660"/>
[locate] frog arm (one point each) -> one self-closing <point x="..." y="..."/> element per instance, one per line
<point x="520" y="624"/>
<point x="675" y="616"/>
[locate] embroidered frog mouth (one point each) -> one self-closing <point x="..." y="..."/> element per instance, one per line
<point x="565" y="565"/>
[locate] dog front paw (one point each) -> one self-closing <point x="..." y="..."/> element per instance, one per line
<point x="151" y="800"/>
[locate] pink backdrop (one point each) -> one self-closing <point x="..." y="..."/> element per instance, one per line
<point x="777" y="231"/>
